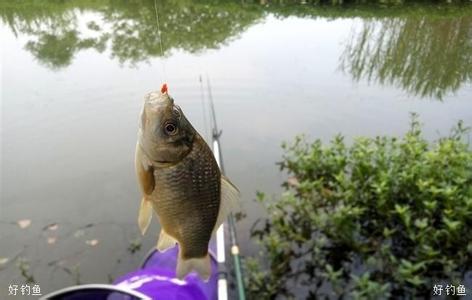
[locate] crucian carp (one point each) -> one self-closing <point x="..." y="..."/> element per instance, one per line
<point x="180" y="180"/>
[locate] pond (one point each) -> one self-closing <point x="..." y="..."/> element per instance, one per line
<point x="73" y="78"/>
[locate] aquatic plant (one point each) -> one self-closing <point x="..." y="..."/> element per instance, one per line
<point x="24" y="267"/>
<point x="382" y="217"/>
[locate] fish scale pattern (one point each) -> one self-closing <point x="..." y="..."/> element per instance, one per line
<point x="187" y="199"/>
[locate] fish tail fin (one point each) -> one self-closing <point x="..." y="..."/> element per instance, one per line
<point x="201" y="264"/>
<point x="145" y="215"/>
<point x="165" y="241"/>
<point x="229" y="201"/>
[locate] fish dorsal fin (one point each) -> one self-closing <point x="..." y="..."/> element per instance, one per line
<point x="230" y="196"/>
<point x="165" y="241"/>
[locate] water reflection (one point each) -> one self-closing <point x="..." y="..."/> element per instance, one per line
<point x="418" y="50"/>
<point x="426" y="56"/>
<point x="129" y="30"/>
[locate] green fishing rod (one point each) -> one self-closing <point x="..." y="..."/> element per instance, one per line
<point x="231" y="222"/>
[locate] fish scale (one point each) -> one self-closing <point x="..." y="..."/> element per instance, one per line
<point x="184" y="191"/>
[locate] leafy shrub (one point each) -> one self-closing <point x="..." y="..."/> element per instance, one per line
<point x="381" y="218"/>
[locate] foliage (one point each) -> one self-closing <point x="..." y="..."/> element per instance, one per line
<point x="383" y="217"/>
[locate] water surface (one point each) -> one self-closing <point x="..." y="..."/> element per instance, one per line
<point x="74" y="75"/>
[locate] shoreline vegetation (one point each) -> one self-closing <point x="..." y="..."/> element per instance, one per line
<point x="382" y="218"/>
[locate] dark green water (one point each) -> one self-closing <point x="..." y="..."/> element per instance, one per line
<point x="74" y="74"/>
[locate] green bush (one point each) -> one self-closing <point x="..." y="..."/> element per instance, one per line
<point x="381" y="218"/>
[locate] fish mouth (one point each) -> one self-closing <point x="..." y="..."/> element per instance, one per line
<point x="157" y="98"/>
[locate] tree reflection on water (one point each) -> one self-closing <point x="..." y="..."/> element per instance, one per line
<point x="128" y="30"/>
<point x="426" y="50"/>
<point x="425" y="56"/>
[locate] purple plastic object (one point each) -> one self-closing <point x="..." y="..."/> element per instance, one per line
<point x="157" y="280"/>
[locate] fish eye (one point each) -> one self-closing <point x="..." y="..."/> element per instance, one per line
<point x="170" y="128"/>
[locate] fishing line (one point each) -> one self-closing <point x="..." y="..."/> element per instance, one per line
<point x="160" y="41"/>
<point x="215" y="133"/>
<point x="204" y="108"/>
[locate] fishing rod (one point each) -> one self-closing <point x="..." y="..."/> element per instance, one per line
<point x="220" y="240"/>
<point x="222" y="279"/>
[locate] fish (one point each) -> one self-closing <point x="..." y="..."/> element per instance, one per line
<point x="181" y="182"/>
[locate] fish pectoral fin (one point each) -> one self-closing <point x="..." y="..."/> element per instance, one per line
<point x="145" y="215"/>
<point x="202" y="265"/>
<point x="165" y="241"/>
<point x="144" y="171"/>
<point x="229" y="201"/>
